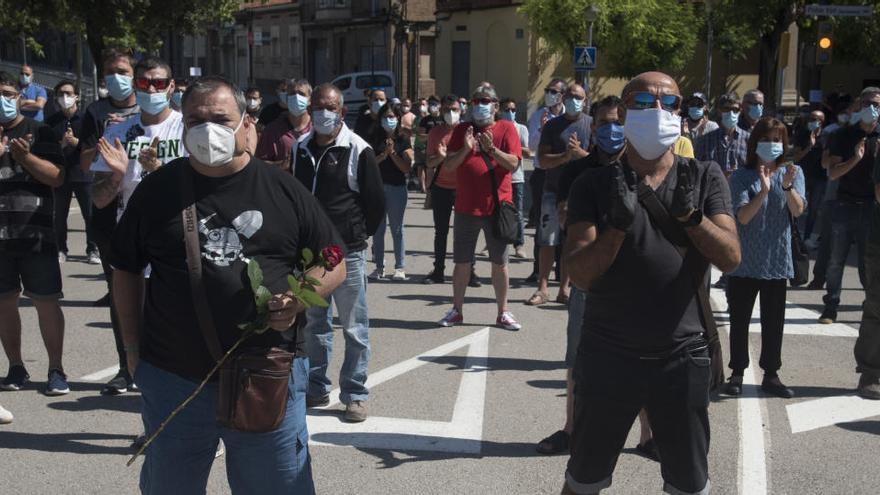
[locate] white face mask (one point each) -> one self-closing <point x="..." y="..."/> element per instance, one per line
<point x="325" y="121"/>
<point x="551" y="100"/>
<point x="211" y="144"/>
<point x="253" y="104"/>
<point x="651" y="131"/>
<point x="451" y="117"/>
<point x="66" y="101"/>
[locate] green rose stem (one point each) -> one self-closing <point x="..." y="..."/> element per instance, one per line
<point x="189" y="399"/>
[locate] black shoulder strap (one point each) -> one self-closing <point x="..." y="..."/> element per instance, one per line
<point x="693" y="263"/>
<point x="491" y="178"/>
<point x="194" y="265"/>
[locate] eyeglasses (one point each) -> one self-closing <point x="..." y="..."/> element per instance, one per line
<point x="642" y="100"/>
<point x="160" y="83"/>
<point x="482" y="101"/>
<point x="551" y="91"/>
<point x="9" y="94"/>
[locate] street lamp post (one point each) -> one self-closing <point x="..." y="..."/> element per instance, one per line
<point x="591" y="14"/>
<point x="709" y="41"/>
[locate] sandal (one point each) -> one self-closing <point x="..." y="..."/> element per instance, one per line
<point x="562" y="298"/>
<point x="649" y="450"/>
<point x="537" y="299"/>
<point x="556" y="443"/>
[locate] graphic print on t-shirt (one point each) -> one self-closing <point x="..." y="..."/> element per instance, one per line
<point x="223" y="244"/>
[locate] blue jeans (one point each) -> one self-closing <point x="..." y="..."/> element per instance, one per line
<point x="180" y="458"/>
<point x="395" y="206"/>
<point x="519" y="191"/>
<point x="351" y="305"/>
<point x="849" y="222"/>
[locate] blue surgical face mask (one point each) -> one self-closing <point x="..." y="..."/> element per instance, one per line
<point x="152" y="103"/>
<point x="389" y="123"/>
<point x="729" y="119"/>
<point x="869" y="114"/>
<point x="177" y="98"/>
<point x="119" y="86"/>
<point x="481" y="112"/>
<point x="8" y="109"/>
<point x="769" y="152"/>
<point x="573" y="106"/>
<point x="377" y="105"/>
<point x="813" y="125"/>
<point x="297" y="104"/>
<point x="756" y="111"/>
<point x="610" y="137"/>
<point x="695" y="113"/>
<point x="507" y="115"/>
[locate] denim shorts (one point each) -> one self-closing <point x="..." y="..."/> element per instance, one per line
<point x="179" y="460"/>
<point x="465" y="232"/>
<point x="39" y="273"/>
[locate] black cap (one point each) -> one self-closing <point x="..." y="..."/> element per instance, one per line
<point x="699" y="96"/>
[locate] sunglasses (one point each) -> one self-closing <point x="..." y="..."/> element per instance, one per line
<point x="551" y="91"/>
<point x="642" y="100"/>
<point x="482" y="101"/>
<point x="144" y="83"/>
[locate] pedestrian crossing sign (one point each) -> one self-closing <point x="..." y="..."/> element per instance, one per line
<point x="584" y="58"/>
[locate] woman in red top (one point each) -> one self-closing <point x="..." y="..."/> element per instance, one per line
<point x="470" y="146"/>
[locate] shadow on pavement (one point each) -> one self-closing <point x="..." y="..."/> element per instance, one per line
<point x="803" y="392"/>
<point x="65" y="303"/>
<point x="130" y="403"/>
<point x="872" y="427"/>
<point x="99" y="324"/>
<point x="75" y="443"/>
<point x="498" y="363"/>
<point x="437" y="300"/>
<point x="404" y="324"/>
<point x="546" y="383"/>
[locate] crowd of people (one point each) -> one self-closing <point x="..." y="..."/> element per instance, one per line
<point x="633" y="197"/>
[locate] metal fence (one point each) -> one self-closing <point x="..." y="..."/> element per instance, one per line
<point x="48" y="78"/>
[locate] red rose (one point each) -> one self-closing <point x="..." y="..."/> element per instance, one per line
<point x="332" y="256"/>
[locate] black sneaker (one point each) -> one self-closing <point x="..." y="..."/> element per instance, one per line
<point x="15" y="378"/>
<point x="57" y="383"/>
<point x="317" y="400"/>
<point x="816" y="284"/>
<point x="474" y="280"/>
<point x="435" y="277"/>
<point x="118" y="385"/>
<point x="104" y="302"/>
<point x="828" y="316"/>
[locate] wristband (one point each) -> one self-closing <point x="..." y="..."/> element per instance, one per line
<point x="789" y="188"/>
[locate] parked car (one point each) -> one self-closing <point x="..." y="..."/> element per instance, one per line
<point x="353" y="85"/>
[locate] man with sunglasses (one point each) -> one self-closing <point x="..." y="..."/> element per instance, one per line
<point x="278" y="138"/>
<point x="472" y="148"/>
<point x="551" y="109"/>
<point x="31" y="165"/>
<point x="563" y="139"/>
<point x="643" y="344"/>
<point x="130" y="150"/>
<point x="852" y="157"/>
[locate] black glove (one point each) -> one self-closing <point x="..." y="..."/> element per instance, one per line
<point x="683" y="203"/>
<point x="623" y="197"/>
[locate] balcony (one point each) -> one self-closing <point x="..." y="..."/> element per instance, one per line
<point x="453" y="5"/>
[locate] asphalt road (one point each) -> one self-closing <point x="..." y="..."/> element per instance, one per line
<point x="459" y="410"/>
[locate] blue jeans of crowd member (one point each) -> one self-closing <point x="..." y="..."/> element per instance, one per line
<point x="815" y="199"/>
<point x="395" y="206"/>
<point x="820" y="269"/>
<point x="180" y="458"/>
<point x="519" y="197"/>
<point x="350" y="299"/>
<point x="850" y="223"/>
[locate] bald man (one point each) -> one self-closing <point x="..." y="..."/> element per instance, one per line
<point x="645" y="343"/>
<point x="33" y="96"/>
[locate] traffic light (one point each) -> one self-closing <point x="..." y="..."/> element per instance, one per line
<point x="824" y="43"/>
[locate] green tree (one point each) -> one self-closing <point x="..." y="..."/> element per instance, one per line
<point x="633" y="35"/>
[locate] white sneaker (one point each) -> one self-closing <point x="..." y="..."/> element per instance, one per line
<point x="506" y="321"/>
<point x="93" y="258"/>
<point x="5" y="416"/>
<point x="399" y="275"/>
<point x="453" y="317"/>
<point x="378" y="274"/>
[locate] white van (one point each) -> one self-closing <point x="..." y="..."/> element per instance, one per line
<point x="353" y="85"/>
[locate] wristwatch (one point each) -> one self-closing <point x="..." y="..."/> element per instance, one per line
<point x="694" y="220"/>
<point x="789" y="188"/>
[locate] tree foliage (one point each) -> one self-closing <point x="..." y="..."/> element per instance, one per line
<point x="634" y="35"/>
<point x="135" y="24"/>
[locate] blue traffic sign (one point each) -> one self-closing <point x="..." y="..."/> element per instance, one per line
<point x="584" y="58"/>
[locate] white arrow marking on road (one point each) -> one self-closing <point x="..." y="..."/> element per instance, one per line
<point x="463" y="434"/>
<point x="819" y="413"/>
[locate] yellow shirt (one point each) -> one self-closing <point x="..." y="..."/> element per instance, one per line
<point x="683" y="147"/>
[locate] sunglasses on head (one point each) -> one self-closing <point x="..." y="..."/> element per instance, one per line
<point x="642" y="100"/>
<point x="482" y="101"/>
<point x="144" y="83"/>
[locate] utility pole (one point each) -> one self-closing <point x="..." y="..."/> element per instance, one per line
<point x="709" y="41"/>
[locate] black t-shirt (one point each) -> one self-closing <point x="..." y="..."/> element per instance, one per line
<point x="258" y="213"/>
<point x="59" y="124"/>
<point x="645" y="302"/>
<point x="271" y="112"/>
<point x="365" y="125"/>
<point x="812" y="161"/>
<point x="572" y="171"/>
<point x="27" y="206"/>
<point x="391" y="175"/>
<point x="430" y="122"/>
<point x="555" y="135"/>
<point x="855" y="185"/>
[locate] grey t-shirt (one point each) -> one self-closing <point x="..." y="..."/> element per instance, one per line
<point x="644" y="302"/>
<point x="556" y="134"/>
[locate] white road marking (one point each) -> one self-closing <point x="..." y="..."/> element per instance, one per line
<point x="100" y="375"/>
<point x="463" y="434"/>
<point x="819" y="413"/>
